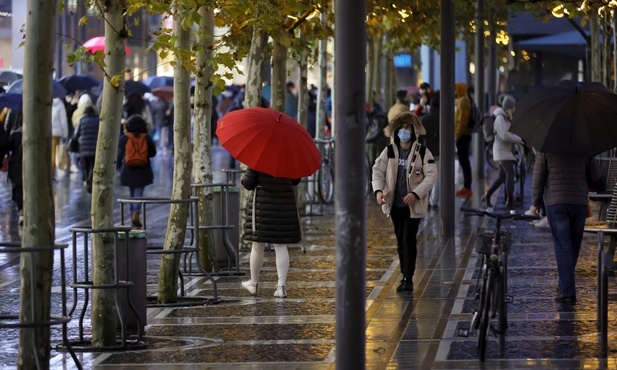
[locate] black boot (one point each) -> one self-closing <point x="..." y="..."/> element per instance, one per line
<point x="486" y="198"/>
<point x="401" y="286"/>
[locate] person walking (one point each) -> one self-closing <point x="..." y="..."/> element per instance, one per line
<point x="272" y="217"/>
<point x="13" y="147"/>
<point x="59" y="130"/>
<point x="431" y="140"/>
<point x="403" y="175"/>
<point x="136" y="171"/>
<point x="503" y="146"/>
<point x="86" y="134"/>
<point x="561" y="183"/>
<point x="462" y="135"/>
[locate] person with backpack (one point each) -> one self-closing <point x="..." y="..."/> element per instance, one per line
<point x="462" y="134"/>
<point x="503" y="144"/>
<point x="403" y="175"/>
<point x="135" y="148"/>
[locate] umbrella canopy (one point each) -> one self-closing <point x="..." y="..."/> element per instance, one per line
<point x="78" y="82"/>
<point x="568" y="118"/>
<point x="8" y="76"/>
<point x="98" y="43"/>
<point x="164" y="92"/>
<point x="269" y="141"/>
<point x="135" y="87"/>
<point x="11" y="100"/>
<point x="159" y="81"/>
<point x="17" y="87"/>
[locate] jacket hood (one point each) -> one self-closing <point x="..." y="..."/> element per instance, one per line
<point x="501" y="112"/>
<point x="400" y="120"/>
<point x="461" y="89"/>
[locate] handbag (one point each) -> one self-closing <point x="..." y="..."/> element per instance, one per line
<point x="62" y="158"/>
<point x="73" y="145"/>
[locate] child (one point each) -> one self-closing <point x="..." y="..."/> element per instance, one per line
<point x="136" y="177"/>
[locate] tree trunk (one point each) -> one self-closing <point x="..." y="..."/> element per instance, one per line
<point x="614" y="24"/>
<point x="38" y="209"/>
<point x="303" y="119"/>
<point x="178" y="214"/>
<point x="322" y="62"/>
<point x="279" y="75"/>
<point x="104" y="173"/>
<point x="376" y="88"/>
<point x="389" y="89"/>
<point x="369" y="69"/>
<point x="202" y="157"/>
<point x="252" y="98"/>
<point x="596" y="52"/>
<point x="606" y="49"/>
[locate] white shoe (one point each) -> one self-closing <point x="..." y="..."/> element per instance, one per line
<point x="280" y="291"/>
<point x="252" y="288"/>
<point x="74" y="168"/>
<point x="543" y="223"/>
<point x="531" y="211"/>
<point x="21" y="220"/>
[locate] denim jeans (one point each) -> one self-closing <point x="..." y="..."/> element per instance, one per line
<point x="137" y="192"/>
<point x="567" y="224"/>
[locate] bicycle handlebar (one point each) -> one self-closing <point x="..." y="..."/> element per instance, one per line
<point x="323" y="141"/>
<point x="504" y="215"/>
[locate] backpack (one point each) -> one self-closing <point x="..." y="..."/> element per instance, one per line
<point x="488" y="128"/>
<point x="475" y="119"/>
<point x="136" y="150"/>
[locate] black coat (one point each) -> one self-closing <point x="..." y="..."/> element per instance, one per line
<point x="274" y="204"/>
<point x="131" y="176"/>
<point x="15" y="151"/>
<point x="87" y="134"/>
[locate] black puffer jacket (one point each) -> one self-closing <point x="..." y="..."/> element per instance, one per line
<point x="87" y="133"/>
<point x="273" y="205"/>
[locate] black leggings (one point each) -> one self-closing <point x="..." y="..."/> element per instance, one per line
<point x="405" y="229"/>
<point x="506" y="174"/>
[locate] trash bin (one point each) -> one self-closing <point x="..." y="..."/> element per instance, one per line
<point x="138" y="260"/>
<point x="222" y="257"/>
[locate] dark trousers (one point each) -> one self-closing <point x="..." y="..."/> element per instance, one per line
<point x="18" y="196"/>
<point x="405" y="229"/>
<point x="87" y="165"/>
<point x="462" y="148"/>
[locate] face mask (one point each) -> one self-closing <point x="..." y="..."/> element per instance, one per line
<point x="69" y="99"/>
<point x="404" y="135"/>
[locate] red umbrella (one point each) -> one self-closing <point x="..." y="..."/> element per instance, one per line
<point x="98" y="43"/>
<point x="269" y="141"/>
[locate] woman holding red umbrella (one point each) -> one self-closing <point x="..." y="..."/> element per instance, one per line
<point x="272" y="217"/>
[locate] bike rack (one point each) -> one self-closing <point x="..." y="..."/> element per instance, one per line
<point x="87" y="284"/>
<point x="7" y="321"/>
<point x="190" y="250"/>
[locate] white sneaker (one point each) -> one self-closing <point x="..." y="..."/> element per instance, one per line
<point x="531" y="212"/>
<point x="252" y="288"/>
<point x="280" y="291"/>
<point x="543" y="223"/>
<point x="21" y="220"/>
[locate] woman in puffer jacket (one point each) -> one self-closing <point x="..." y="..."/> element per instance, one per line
<point x="272" y="217"/>
<point x="403" y="175"/>
<point x="87" y="134"/>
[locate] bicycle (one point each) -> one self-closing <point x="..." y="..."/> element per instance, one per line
<point x="492" y="282"/>
<point x="525" y="159"/>
<point x="325" y="173"/>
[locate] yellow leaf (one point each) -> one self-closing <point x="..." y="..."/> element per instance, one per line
<point x="83" y="21"/>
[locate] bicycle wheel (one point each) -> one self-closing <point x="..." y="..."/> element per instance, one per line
<point x="368" y="171"/>
<point x="485" y="319"/>
<point x="501" y="310"/>
<point x="479" y="297"/>
<point x="325" y="182"/>
<point x="488" y="153"/>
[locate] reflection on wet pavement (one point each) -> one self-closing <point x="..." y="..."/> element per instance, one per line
<point x="404" y="331"/>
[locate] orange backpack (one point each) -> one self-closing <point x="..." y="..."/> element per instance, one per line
<point x="136" y="150"/>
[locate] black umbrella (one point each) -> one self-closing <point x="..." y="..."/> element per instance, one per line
<point x="78" y="82"/>
<point x="135" y="87"/>
<point x="17" y="87"/>
<point x="568" y="118"/>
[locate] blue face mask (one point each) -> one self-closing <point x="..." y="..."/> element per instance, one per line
<point x="404" y="135"/>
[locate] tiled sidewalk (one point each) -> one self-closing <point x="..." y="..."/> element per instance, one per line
<point x="404" y="331"/>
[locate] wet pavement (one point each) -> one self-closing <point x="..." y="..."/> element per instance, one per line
<point x="416" y="330"/>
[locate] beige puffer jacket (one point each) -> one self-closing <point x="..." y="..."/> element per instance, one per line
<point x="421" y="178"/>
